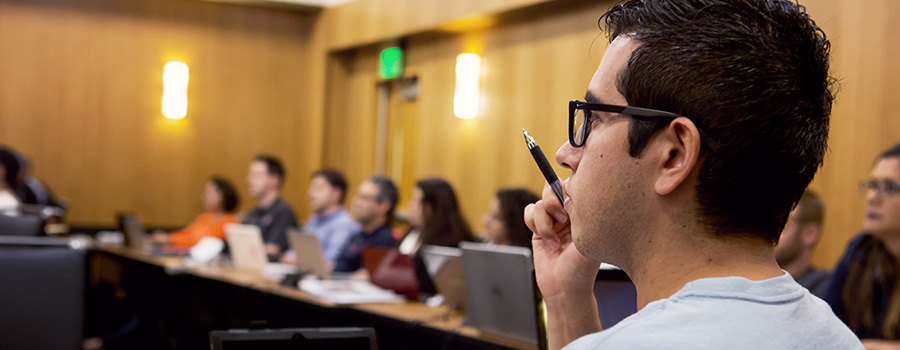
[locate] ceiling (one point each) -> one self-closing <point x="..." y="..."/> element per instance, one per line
<point x="301" y="5"/>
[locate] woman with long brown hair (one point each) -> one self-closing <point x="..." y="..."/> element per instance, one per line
<point x="864" y="292"/>
<point x="504" y="223"/>
<point x="435" y="219"/>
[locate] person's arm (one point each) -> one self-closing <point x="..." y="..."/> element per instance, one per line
<point x="565" y="277"/>
<point x="339" y="239"/>
<point x="277" y="242"/>
<point x="189" y="235"/>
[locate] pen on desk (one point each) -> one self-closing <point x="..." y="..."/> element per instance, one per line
<point x="542" y="163"/>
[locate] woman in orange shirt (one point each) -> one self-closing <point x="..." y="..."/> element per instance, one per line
<point x="219" y="202"/>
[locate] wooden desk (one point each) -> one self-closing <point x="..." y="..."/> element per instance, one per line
<point x="178" y="305"/>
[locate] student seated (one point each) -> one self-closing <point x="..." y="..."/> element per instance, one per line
<point x="798" y="240"/>
<point x="435" y="219"/>
<point x="503" y="223"/>
<point x="864" y="291"/>
<point x="219" y="202"/>
<point x="373" y="206"/>
<point x="9" y="171"/>
<point x="31" y="190"/>
<point x="271" y="214"/>
<point x="703" y="124"/>
<point x="330" y="222"/>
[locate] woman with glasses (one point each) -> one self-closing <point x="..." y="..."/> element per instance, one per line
<point x="864" y="292"/>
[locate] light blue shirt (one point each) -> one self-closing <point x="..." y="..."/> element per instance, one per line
<point x="333" y="231"/>
<point x="730" y="313"/>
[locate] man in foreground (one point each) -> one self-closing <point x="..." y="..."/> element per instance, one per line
<point x="688" y="195"/>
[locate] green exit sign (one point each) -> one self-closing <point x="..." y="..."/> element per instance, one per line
<point x="390" y="65"/>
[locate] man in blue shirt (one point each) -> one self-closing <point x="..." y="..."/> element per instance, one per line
<point x="373" y="207"/>
<point x="703" y="125"/>
<point x="330" y="221"/>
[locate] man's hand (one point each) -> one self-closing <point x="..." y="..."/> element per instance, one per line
<point x="559" y="266"/>
<point x="565" y="277"/>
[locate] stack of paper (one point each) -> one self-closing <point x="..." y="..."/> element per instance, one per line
<point x="349" y="291"/>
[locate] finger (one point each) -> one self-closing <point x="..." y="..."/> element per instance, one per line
<point x="552" y="205"/>
<point x="529" y="216"/>
<point x="543" y="225"/>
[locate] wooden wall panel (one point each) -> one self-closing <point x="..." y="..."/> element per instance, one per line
<point x="81" y="93"/>
<point x="364" y="22"/>
<point x="526" y="83"/>
<point x="865" y="122"/>
<point x="81" y="88"/>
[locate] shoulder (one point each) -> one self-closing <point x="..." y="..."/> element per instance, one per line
<point x="229" y="218"/>
<point x="282" y="207"/>
<point x="707" y="323"/>
<point x="383" y="234"/>
<point x="7" y="196"/>
<point x="859" y="241"/>
<point x="345" y="218"/>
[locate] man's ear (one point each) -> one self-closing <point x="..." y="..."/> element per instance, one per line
<point x="678" y="147"/>
<point x="810" y="233"/>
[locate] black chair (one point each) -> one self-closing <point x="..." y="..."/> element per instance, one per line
<point x="295" y="338"/>
<point x="21" y="225"/>
<point x="42" y="293"/>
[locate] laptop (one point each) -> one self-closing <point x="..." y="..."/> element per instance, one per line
<point x="615" y="295"/>
<point x="294" y="338"/>
<point x="445" y="267"/>
<point x="501" y="291"/>
<point x="135" y="235"/>
<point x="132" y="229"/>
<point x="245" y="242"/>
<point x="309" y="254"/>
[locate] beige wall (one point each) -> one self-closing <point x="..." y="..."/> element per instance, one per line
<point x="81" y="88"/>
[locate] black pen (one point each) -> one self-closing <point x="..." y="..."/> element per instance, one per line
<point x="542" y="163"/>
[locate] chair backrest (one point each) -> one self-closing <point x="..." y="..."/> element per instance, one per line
<point x="351" y="338"/>
<point x="43" y="296"/>
<point x="21" y="225"/>
<point x="615" y="295"/>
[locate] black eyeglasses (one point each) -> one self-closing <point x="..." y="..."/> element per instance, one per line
<point x="580" y="121"/>
<point x="887" y="188"/>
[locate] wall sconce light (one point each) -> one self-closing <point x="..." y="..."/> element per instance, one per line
<point x="466" y="97"/>
<point x="175" y="83"/>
